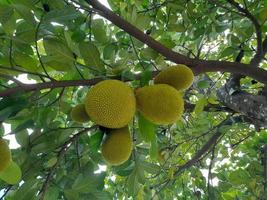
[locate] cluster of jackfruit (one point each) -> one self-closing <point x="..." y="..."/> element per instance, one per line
<point x="163" y="103"/>
<point x="112" y="104"/>
<point x="9" y="170"/>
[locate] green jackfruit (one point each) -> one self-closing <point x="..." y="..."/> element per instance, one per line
<point x="160" y="104"/>
<point x="117" y="147"/>
<point x="111" y="104"/>
<point x="180" y="77"/>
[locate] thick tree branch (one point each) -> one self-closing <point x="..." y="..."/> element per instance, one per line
<point x="51" y="85"/>
<point x="61" y="84"/>
<point x="197" y="65"/>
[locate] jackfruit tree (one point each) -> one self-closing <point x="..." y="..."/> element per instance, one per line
<point x="133" y="99"/>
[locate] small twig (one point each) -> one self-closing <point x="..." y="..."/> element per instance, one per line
<point x="23" y="71"/>
<point x="12" y="79"/>
<point x="210" y="173"/>
<point x="37" y="50"/>
<point x="77" y="69"/>
<point x="60" y="95"/>
<point x="136" y="53"/>
<point x="6" y="191"/>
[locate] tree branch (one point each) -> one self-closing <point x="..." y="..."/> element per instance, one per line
<point x="197" y="65"/>
<point x="51" y="85"/>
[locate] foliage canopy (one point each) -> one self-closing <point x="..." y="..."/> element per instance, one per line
<point x="218" y="150"/>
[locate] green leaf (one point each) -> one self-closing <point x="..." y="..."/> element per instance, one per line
<point x="91" y="55"/>
<point x="25" y="13"/>
<point x="71" y="194"/>
<point x="51" y="162"/>
<point x="146" y="128"/>
<point x="23" y="125"/>
<point x="110" y="51"/>
<point x="176" y="27"/>
<point x="12" y="174"/>
<point x="203" y="84"/>
<point x="153" y="151"/>
<point x="27" y="191"/>
<point x="22" y="138"/>
<point x="64" y="15"/>
<point x="200" y="105"/>
<point x="52" y="193"/>
<point x="26" y="62"/>
<point x="57" y="48"/>
<point x="227" y="52"/>
<point x="86" y="184"/>
<point x="95" y="141"/>
<point x="132" y="183"/>
<point x="99" y="31"/>
<point x="150" y="168"/>
<point x="239" y="177"/>
<point x="7" y="19"/>
<point x="146" y="76"/>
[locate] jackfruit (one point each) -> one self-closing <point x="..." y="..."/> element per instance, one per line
<point x="160" y="104"/>
<point x="12" y="174"/>
<point x="111" y="104"/>
<point x="117" y="147"/>
<point x="79" y="114"/>
<point x="180" y="77"/>
<point x="5" y="155"/>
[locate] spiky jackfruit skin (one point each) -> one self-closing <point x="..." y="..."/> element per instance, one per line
<point x="160" y="104"/>
<point x="117" y="147"/>
<point x="79" y="114"/>
<point x="5" y="155"/>
<point x="179" y="76"/>
<point x="111" y="104"/>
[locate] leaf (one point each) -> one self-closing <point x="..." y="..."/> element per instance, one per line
<point x="200" y="105"/>
<point x="146" y="128"/>
<point x="23" y="125"/>
<point x="22" y="138"/>
<point x="99" y="31"/>
<point x="263" y="14"/>
<point x="95" y="141"/>
<point x="150" y="167"/>
<point x="26" y="191"/>
<point x="176" y="27"/>
<point x="71" y="194"/>
<point x="239" y="177"/>
<point x="52" y="193"/>
<point x="132" y="183"/>
<point x="26" y="62"/>
<point x="25" y="13"/>
<point x="146" y="76"/>
<point x="101" y="195"/>
<point x="51" y="162"/>
<point x="91" y="55"/>
<point x="7" y="19"/>
<point x="57" y="48"/>
<point x="64" y="15"/>
<point x="86" y="184"/>
<point x="203" y="84"/>
<point x="153" y="151"/>
<point x="110" y="51"/>
<point x="227" y="52"/>
<point x="12" y="174"/>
